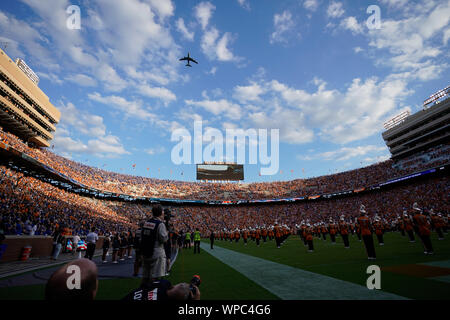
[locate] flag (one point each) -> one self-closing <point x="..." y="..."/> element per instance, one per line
<point x="69" y="245"/>
<point x="292" y="170"/>
<point x="148" y="169"/>
<point x="134" y="166"/>
<point x="82" y="245"/>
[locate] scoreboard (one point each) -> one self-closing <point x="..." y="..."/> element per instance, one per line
<point x="232" y="172"/>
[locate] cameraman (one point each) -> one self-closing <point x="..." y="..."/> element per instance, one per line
<point x="162" y="290"/>
<point x="154" y="236"/>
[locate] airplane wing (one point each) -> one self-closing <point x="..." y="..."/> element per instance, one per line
<point x="185" y="58"/>
<point x="193" y="60"/>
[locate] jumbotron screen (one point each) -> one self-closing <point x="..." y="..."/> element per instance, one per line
<point x="220" y="172"/>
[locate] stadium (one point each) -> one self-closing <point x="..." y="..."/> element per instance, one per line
<point x="315" y="238"/>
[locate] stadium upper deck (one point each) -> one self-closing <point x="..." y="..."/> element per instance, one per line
<point x="24" y="109"/>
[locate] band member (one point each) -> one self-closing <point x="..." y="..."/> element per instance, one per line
<point x="343" y="229"/>
<point x="309" y="237"/>
<point x="237" y="235"/>
<point x="366" y="233"/>
<point x="423" y="227"/>
<point x="358" y="230"/>
<point x="408" y="223"/>
<point x="378" y="225"/>
<point x="271" y="234"/>
<point x="264" y="234"/>
<point x="333" y="231"/>
<point x="437" y="223"/>
<point x="245" y="236"/>
<point x="257" y="236"/>
<point x="324" y="231"/>
<point x="277" y="235"/>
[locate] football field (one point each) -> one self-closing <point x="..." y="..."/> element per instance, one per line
<point x="232" y="271"/>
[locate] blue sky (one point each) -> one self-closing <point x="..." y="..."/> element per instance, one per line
<point x="310" y="68"/>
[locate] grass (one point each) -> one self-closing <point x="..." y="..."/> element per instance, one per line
<point x="351" y="264"/>
<point x="220" y="281"/>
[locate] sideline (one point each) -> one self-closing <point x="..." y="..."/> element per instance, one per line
<point x="290" y="283"/>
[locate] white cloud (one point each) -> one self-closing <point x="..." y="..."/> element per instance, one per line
<point x="335" y="10"/>
<point x="347" y="153"/>
<point x="109" y="78"/>
<point x="157" y="150"/>
<point x="350" y="23"/>
<point x="248" y="93"/>
<point x="282" y="23"/>
<point x="218" y="107"/>
<point x="89" y="125"/>
<point x="358" y="49"/>
<point x="222" y="51"/>
<point x="203" y="13"/>
<point x="84" y="122"/>
<point x="157" y="92"/>
<point x="244" y="4"/>
<point x="311" y="5"/>
<point x="181" y="27"/>
<point x="394" y="3"/>
<point x="408" y="44"/>
<point x="82" y="80"/>
<point x="446" y="36"/>
<point x="129" y="108"/>
<point x="215" y="48"/>
<point x="164" y="8"/>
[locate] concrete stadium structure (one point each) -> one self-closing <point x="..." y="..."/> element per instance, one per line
<point x="25" y="110"/>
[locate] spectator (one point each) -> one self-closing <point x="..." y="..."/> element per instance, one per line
<point x="57" y="286"/>
<point x="91" y="240"/>
<point x="162" y="290"/>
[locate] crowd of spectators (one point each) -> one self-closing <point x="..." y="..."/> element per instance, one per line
<point x="29" y="206"/>
<point x="158" y="188"/>
<point x="388" y="205"/>
<point x="33" y="207"/>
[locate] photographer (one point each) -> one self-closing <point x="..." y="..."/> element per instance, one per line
<point x="162" y="290"/>
<point x="154" y="236"/>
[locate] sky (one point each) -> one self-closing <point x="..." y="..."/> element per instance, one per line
<point x="323" y="73"/>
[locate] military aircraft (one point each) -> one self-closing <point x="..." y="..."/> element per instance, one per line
<point x="188" y="58"/>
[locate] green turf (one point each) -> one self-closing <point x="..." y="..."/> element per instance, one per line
<point x="220" y="281"/>
<point x="351" y="264"/>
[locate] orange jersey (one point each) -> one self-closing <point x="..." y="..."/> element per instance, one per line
<point x="422" y="223"/>
<point x="364" y="225"/>
<point x="343" y="228"/>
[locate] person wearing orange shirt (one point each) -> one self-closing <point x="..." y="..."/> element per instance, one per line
<point x="278" y="235"/>
<point x="333" y="231"/>
<point x="257" y="236"/>
<point x="245" y="236"/>
<point x="400" y="226"/>
<point x="366" y="233"/>
<point x="379" y="231"/>
<point x="270" y="234"/>
<point x="237" y="235"/>
<point x="264" y="234"/>
<point x="423" y="227"/>
<point x="309" y="237"/>
<point x="323" y="230"/>
<point x="407" y="222"/>
<point x="343" y="229"/>
<point x="437" y="223"/>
